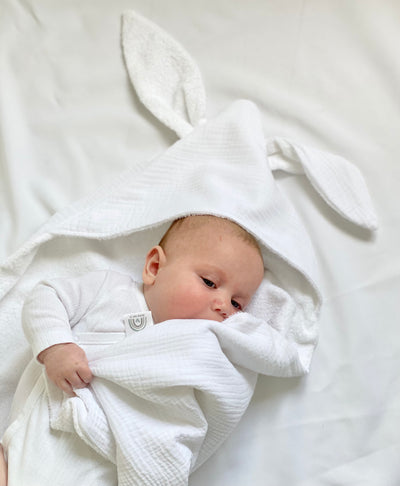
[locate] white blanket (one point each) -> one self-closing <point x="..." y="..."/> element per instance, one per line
<point x="169" y="396"/>
<point x="162" y="400"/>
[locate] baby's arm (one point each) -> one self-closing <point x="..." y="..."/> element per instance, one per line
<point x="66" y="366"/>
<point x="49" y="314"/>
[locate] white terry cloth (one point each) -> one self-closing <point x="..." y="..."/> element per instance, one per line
<point x="203" y="370"/>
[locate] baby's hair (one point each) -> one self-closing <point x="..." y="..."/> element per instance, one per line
<point x="196" y="221"/>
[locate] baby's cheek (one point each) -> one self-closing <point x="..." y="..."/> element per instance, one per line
<point x="187" y="302"/>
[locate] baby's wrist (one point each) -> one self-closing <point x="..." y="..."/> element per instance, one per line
<point x="43" y="355"/>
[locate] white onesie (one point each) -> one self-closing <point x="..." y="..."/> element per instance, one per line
<point x="94" y="310"/>
<point x="98" y="308"/>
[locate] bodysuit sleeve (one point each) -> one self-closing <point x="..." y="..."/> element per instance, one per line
<point x="55" y="306"/>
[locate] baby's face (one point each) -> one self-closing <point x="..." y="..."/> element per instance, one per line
<point x="212" y="275"/>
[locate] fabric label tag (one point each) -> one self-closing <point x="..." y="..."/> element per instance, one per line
<point x="137" y="321"/>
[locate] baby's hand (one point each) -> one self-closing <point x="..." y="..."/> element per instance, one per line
<point x="66" y="366"/>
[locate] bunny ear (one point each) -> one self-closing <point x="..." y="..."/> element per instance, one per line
<point x="338" y="182"/>
<point x="165" y="77"/>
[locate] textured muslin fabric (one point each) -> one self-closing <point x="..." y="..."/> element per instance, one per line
<point x="39" y="455"/>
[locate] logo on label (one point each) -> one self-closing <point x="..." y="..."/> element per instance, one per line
<point x="137" y="323"/>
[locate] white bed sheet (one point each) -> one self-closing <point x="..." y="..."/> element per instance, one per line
<point x="323" y="72"/>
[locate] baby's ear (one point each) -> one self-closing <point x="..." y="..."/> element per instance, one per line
<point x="155" y="259"/>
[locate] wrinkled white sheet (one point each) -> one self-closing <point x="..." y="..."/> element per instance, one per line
<point x="325" y="73"/>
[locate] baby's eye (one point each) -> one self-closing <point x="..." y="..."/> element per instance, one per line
<point x="236" y="305"/>
<point x="209" y="283"/>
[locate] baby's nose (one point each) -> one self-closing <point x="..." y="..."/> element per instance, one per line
<point x="221" y="306"/>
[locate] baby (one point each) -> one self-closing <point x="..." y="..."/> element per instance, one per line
<point x="205" y="267"/>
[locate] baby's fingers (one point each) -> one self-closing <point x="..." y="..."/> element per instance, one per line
<point x="76" y="381"/>
<point x="66" y="387"/>
<point x="85" y="375"/>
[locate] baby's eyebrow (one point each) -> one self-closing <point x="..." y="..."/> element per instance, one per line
<point x="209" y="267"/>
<point x="243" y="300"/>
<point x="244" y="297"/>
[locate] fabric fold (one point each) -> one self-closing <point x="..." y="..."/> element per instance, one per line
<point x="174" y="406"/>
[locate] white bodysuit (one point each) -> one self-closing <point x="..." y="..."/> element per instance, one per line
<point x="95" y="310"/>
<point x="98" y="308"/>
